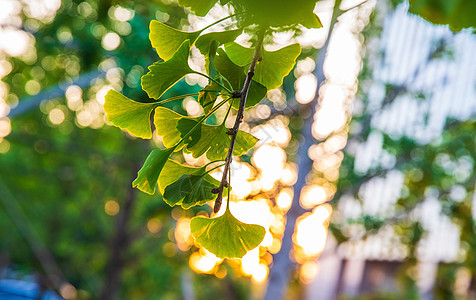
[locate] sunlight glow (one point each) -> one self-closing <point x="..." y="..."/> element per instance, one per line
<point x="110" y="41"/>
<point x="312" y="231"/>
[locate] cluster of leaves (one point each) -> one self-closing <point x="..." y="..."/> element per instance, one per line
<point x="238" y="77"/>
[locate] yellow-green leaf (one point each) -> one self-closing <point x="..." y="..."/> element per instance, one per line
<point x="173" y="171"/>
<point x="225" y="236"/>
<point x="166" y="122"/>
<point x="163" y="75"/>
<point x="214" y="141"/>
<point x="149" y="173"/>
<point x="273" y="67"/>
<point x="199" y="7"/>
<point x="222" y="37"/>
<point x="128" y="114"/>
<point x="166" y="40"/>
<point x="236" y="75"/>
<point x="191" y="190"/>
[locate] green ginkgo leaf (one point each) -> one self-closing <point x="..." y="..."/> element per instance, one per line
<point x="236" y="76"/>
<point x="208" y="95"/>
<point x="173" y="171"/>
<point x="163" y="75"/>
<point x="191" y="190"/>
<point x="214" y="141"/>
<point x="167" y="40"/>
<point x="278" y="13"/>
<point x="128" y="114"/>
<point x="199" y="7"/>
<point x="225" y="236"/>
<point x="273" y="67"/>
<point x="166" y="122"/>
<point x="148" y="175"/>
<point x="222" y="37"/>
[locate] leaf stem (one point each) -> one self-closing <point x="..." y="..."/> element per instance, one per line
<point x="176" y="98"/>
<point x="239" y="117"/>
<point x="203" y="119"/>
<point x="219" y="21"/>
<point x="216" y="81"/>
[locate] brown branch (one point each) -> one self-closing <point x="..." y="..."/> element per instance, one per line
<point x="239" y="117"/>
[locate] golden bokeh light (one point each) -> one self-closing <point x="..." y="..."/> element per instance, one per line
<point x="183" y="235"/>
<point x="154" y="225"/>
<point x="112" y="207"/>
<point x="311" y="231"/>
<point x="204" y="261"/>
<point x="285" y="199"/>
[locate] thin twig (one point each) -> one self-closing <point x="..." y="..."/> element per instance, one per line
<point x="239" y="117"/>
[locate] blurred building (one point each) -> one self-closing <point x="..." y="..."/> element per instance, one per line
<point x="432" y="75"/>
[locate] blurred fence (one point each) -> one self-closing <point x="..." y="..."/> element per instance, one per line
<point x="422" y="76"/>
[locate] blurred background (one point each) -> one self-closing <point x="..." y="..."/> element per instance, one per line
<point x="363" y="177"/>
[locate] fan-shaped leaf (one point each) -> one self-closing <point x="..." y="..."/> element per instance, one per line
<point x="222" y="37"/>
<point x="214" y="141"/>
<point x="129" y="114"/>
<point x="166" y="122"/>
<point x="199" y="7"/>
<point x="173" y="171"/>
<point x="225" y="236"/>
<point x="278" y="12"/>
<point x="273" y="67"/>
<point x="208" y="95"/>
<point x="166" y="40"/>
<point x="236" y="76"/>
<point x="163" y="75"/>
<point x="191" y="190"/>
<point x="149" y="173"/>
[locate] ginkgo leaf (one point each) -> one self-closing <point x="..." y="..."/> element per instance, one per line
<point x="277" y="13"/>
<point x="199" y="7"/>
<point x="222" y="37"/>
<point x="166" y="122"/>
<point x="173" y="171"/>
<point x="163" y="75"/>
<point x="214" y="141"/>
<point x="208" y="95"/>
<point x="149" y="173"/>
<point x="191" y="190"/>
<point x="128" y="114"/>
<point x="273" y="67"/>
<point x="166" y="40"/>
<point x="226" y="236"/>
<point x="236" y="76"/>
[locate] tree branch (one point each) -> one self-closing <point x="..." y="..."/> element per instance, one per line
<point x="239" y="117"/>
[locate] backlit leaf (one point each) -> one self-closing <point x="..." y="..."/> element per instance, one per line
<point x="273" y="67"/>
<point x="199" y="7"/>
<point x="163" y="75"/>
<point x="279" y="12"/>
<point x="173" y="171"/>
<point x="215" y="142"/>
<point x="236" y="76"/>
<point x="208" y="95"/>
<point x="222" y="37"/>
<point x="225" y="236"/>
<point x="128" y="114"/>
<point x="191" y="190"/>
<point x="149" y="173"/>
<point x="166" y="40"/>
<point x="166" y="122"/>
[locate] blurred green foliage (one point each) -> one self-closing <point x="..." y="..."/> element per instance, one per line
<point x="61" y="175"/>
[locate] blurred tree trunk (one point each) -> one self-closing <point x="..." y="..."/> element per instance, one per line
<point x="119" y="245"/>
<point x="279" y="274"/>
